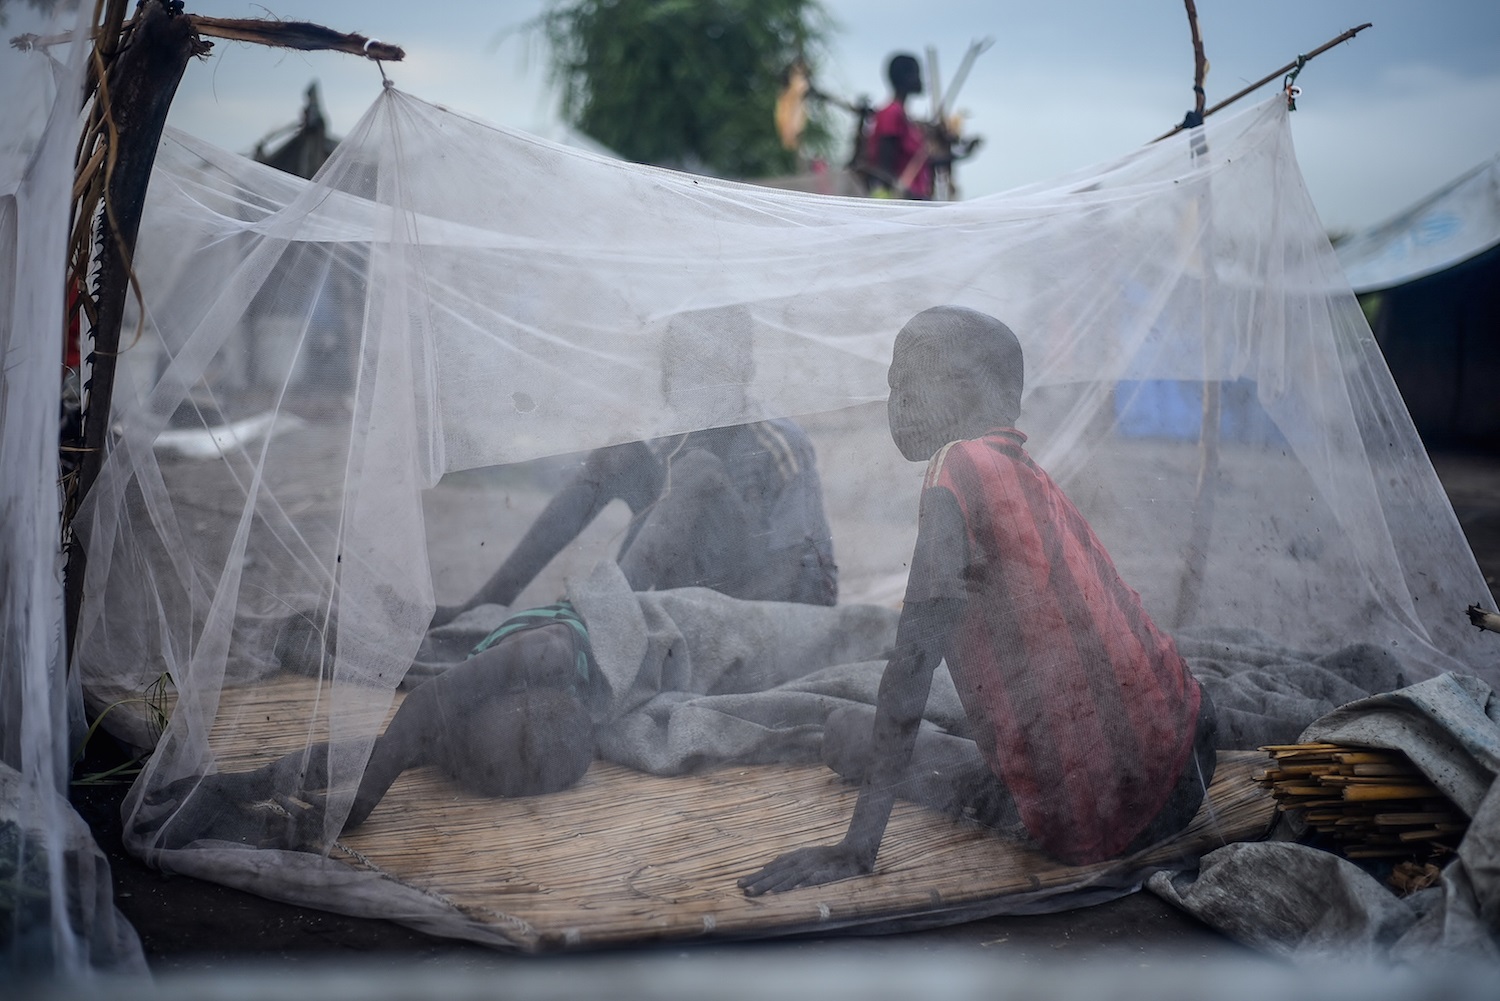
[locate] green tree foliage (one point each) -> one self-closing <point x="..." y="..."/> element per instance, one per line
<point x="684" y="83"/>
<point x="42" y="6"/>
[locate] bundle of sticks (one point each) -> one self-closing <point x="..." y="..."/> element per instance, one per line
<point x="1370" y="802"/>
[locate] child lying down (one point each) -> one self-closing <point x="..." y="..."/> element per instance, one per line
<point x="510" y="721"/>
<point x="665" y="682"/>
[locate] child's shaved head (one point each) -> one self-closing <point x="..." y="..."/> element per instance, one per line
<point x="955" y="373"/>
<point x="523" y="744"/>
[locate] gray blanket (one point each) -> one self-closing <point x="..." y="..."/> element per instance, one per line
<point x="1266" y="693"/>
<point x="697" y="678"/>
<point x="1310" y="905"/>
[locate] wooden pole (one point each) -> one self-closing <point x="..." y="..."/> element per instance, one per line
<point x="295" y="35"/>
<point x="1205" y="496"/>
<point x="1200" y="62"/>
<point x="136" y="68"/>
<point x="1483" y="619"/>
<point x="136" y="93"/>
<point x="1190" y="589"/>
<point x="1269" y="77"/>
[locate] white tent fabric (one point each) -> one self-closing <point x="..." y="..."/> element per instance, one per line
<point x="1453" y="224"/>
<point x="56" y="912"/>
<point x="426" y="337"/>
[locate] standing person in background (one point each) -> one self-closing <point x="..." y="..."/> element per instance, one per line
<point x="896" y="146"/>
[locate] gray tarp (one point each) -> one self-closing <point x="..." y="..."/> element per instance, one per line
<point x="1307" y="904"/>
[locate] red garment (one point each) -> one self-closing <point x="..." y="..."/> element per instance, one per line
<point x="891" y="121"/>
<point x="72" y="355"/>
<point x="1084" y="708"/>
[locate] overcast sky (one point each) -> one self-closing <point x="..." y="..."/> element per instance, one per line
<point x="1410" y="104"/>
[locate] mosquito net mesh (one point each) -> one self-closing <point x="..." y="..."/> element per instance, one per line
<point x="465" y="374"/>
<point x="56" y="909"/>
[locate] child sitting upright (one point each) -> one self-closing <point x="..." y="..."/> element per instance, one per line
<point x="1088" y="730"/>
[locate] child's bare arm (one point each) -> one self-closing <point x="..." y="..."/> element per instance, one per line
<point x="920" y="640"/>
<point x="628" y="472"/>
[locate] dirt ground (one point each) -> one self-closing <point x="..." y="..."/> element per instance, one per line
<point x="189" y="925"/>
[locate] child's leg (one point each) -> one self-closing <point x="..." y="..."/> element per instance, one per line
<point x="696" y="534"/>
<point x="946" y="772"/>
<point x="699" y="533"/>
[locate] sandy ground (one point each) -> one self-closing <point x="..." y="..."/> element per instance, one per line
<point x="186" y="924"/>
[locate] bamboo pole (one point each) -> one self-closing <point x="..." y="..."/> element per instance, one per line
<point x="1379" y="793"/>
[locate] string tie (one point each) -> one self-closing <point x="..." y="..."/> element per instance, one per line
<point x="1293" y="92"/>
<point x="385" y="81"/>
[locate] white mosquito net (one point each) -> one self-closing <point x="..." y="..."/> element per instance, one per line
<point x="352" y="399"/>
<point x="56" y="908"/>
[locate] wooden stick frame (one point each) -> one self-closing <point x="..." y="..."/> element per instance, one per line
<point x="133" y="72"/>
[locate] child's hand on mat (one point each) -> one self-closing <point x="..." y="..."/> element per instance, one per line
<point x="807" y="867"/>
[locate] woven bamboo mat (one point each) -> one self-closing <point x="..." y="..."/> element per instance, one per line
<point x="625" y="857"/>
